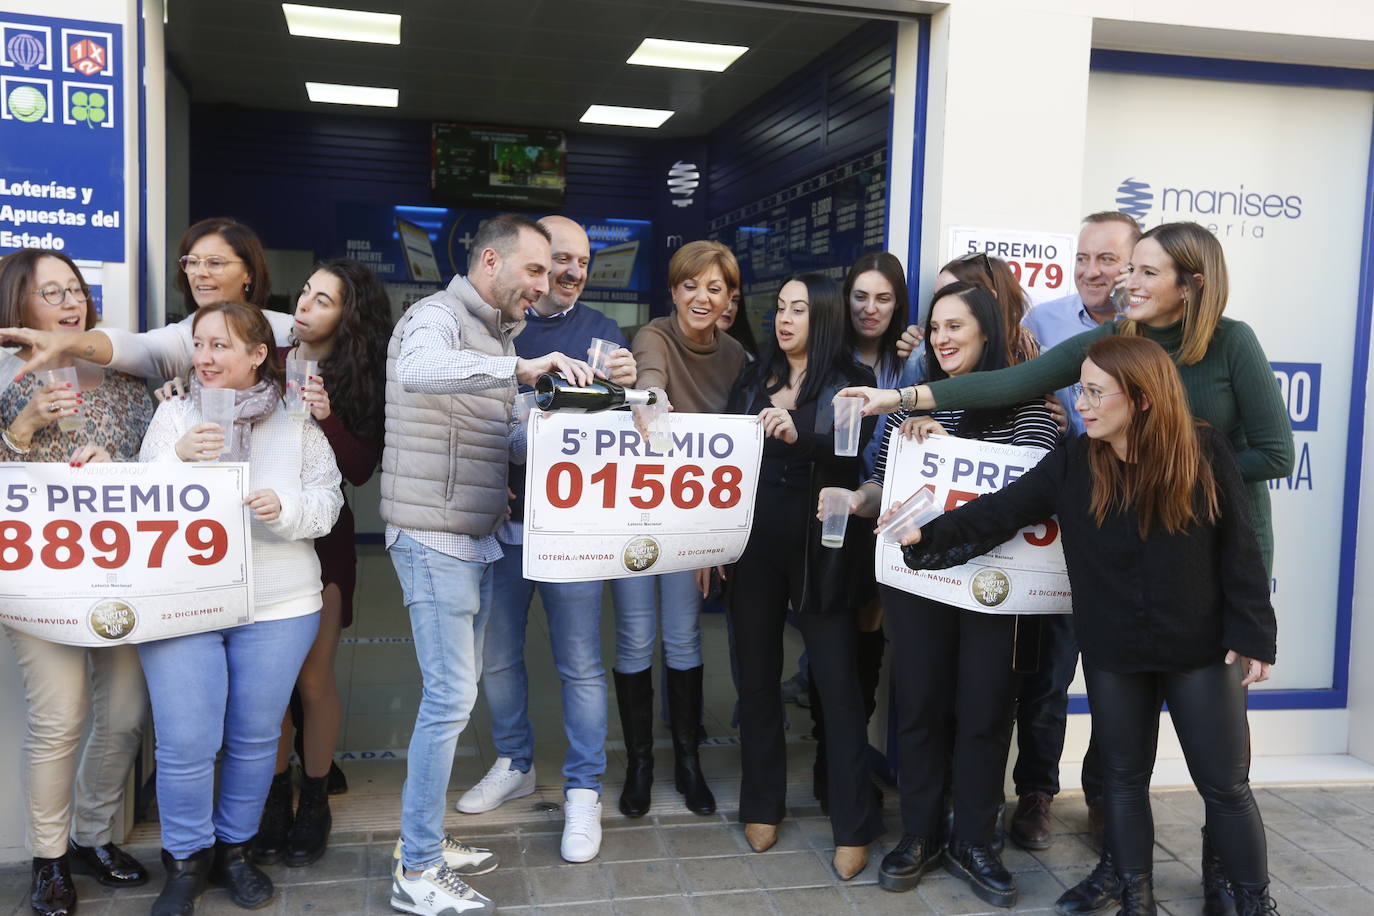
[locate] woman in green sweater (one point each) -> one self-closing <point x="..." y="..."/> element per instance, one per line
<point x="1177" y="287"/>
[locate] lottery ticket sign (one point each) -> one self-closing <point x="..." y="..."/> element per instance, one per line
<point x="601" y="503"/>
<point x="1041" y="261"/>
<point x="124" y="552"/>
<point x="1025" y="575"/>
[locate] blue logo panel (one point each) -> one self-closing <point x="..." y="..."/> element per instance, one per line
<point x="1300" y="386"/>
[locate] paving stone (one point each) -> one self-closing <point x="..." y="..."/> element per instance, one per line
<point x="809" y="902"/>
<point x="1320" y="803"/>
<point x="643" y="879"/>
<point x="1351" y="899"/>
<point x="695" y="842"/>
<point x="323" y="899"/>
<point x="1355" y="864"/>
<point x="629" y="845"/>
<point x="791" y="869"/>
<point x="506" y="886"/>
<point x="755" y="903"/>
<point x="872" y="900"/>
<point x="568" y="884"/>
<point x="660" y="906"/>
<point x="1304" y="870"/>
<point x="541" y="849"/>
<point x="950" y="896"/>
<point x="703" y="876"/>
<point x="339" y="863"/>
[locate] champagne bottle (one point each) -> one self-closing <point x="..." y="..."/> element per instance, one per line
<point x="554" y="392"/>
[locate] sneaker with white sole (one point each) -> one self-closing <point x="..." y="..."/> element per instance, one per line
<point x="464" y="859"/>
<point x="581" y="826"/>
<point x="499" y="786"/>
<point x="436" y="891"/>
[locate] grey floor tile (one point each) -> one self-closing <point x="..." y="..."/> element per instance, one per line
<point x="694" y="842"/>
<point x="1066" y="852"/>
<point x="323" y="899"/>
<point x="872" y="900"/>
<point x="506" y="886"/>
<point x="1355" y="864"/>
<point x="704" y="876"/>
<point x="1036" y="890"/>
<point x="1176" y="881"/>
<point x="755" y="903"/>
<point x="1320" y="803"/>
<point x="662" y="906"/>
<point x="643" y="879"/>
<point x="950" y="896"/>
<point x="572" y="909"/>
<point x="630" y="845"/>
<point x="1305" y="870"/>
<point x="541" y="849"/>
<point x="567" y="884"/>
<point x="791" y="869"/>
<point x="1351" y="899"/>
<point x="1311" y="835"/>
<point x="339" y="863"/>
<point x="809" y="902"/>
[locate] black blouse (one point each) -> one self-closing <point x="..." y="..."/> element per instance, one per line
<point x="1170" y="602"/>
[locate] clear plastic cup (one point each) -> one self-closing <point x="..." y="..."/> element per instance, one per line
<point x="1121" y="301"/>
<point x="57" y="378"/>
<point x="848" y="417"/>
<point x="834" y="516"/>
<point x="217" y="406"/>
<point x="298" y="372"/>
<point x="914" y="513"/>
<point x="9" y="367"/>
<point x="654" y="419"/>
<point x="599" y="353"/>
<point x="524" y="403"/>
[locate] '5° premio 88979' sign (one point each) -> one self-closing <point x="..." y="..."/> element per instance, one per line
<point x="123" y="552"/>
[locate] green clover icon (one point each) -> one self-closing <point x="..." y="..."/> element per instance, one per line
<point x="88" y="107"/>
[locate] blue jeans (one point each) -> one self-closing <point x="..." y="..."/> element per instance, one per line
<point x="223" y="689"/>
<point x="448" y="600"/>
<point x="573" y="611"/>
<point x="637" y="607"/>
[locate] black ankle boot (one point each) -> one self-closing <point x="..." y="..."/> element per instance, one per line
<point x="52" y="891"/>
<point x="1138" y="896"/>
<point x="338" y="782"/>
<point x="185" y="882"/>
<point x="1254" y="901"/>
<point x="1216" y="893"/>
<point x="248" y="886"/>
<point x="310" y="831"/>
<point x="911" y="858"/>
<point x="634" y="694"/>
<point x="684" y="711"/>
<point x="1094" y="893"/>
<point x="983" y="872"/>
<point x="269" y="846"/>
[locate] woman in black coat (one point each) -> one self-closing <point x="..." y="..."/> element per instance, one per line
<point x="791" y="388"/>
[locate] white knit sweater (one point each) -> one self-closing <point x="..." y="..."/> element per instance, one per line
<point x="293" y="458"/>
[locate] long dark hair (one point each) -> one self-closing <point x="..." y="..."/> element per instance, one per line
<point x="355" y="368"/>
<point x="827" y="351"/>
<point x="250" y="325"/>
<point x="246" y="245"/>
<point x="988" y="312"/>
<point x="981" y="267"/>
<point x="886" y="264"/>
<point x="16" y="284"/>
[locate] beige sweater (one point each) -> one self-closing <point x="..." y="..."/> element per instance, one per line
<point x="698" y="379"/>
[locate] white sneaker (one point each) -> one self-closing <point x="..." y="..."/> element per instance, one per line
<point x="437" y="891"/>
<point x="581" y="826"/>
<point x="464" y="859"/>
<point x="499" y="786"/>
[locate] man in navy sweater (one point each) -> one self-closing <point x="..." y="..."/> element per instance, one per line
<point x="557" y="322"/>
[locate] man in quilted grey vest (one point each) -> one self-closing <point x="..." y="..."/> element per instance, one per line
<point x="451" y="375"/>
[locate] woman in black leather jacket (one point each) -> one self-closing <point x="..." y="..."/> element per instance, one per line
<point x="791" y="388"/>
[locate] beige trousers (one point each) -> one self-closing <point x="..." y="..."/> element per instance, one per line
<point x="63" y="684"/>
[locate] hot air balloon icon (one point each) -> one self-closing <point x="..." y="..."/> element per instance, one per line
<point x="26" y="50"/>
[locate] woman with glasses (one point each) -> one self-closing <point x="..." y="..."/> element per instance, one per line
<point x="68" y="685"/>
<point x="955" y="684"/>
<point x="1170" y="598"/>
<point x="221" y="260"/>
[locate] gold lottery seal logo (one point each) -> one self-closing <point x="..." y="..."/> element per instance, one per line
<point x="112" y="619"/>
<point x="640" y="554"/>
<point x="990" y="587"/>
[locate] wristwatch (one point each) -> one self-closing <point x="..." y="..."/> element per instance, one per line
<point x="908" y="398"/>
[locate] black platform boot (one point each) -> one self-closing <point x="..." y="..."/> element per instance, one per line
<point x="1254" y="901"/>
<point x="309" y="834"/>
<point x="1138" y="896"/>
<point x="185" y="882"/>
<point x="684" y="711"/>
<point x="1216" y="892"/>
<point x="1095" y="893"/>
<point x="269" y="846"/>
<point x="52" y="891"/>
<point x="634" y="694"/>
<point x="230" y="868"/>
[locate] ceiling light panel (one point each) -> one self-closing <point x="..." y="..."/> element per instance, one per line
<point x="339" y="94"/>
<point x="625" y="117"/>
<point x="685" y="55"/>
<point x="342" y="25"/>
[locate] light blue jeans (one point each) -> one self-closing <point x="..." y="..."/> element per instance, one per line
<point x="573" y="612"/>
<point x="637" y="606"/>
<point x="448" y="600"/>
<point x="223" y="689"/>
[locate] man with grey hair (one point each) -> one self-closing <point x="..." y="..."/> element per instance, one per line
<point x="451" y="375"/>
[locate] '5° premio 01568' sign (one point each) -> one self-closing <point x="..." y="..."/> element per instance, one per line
<point x="601" y="503"/>
<point x="124" y="552"/>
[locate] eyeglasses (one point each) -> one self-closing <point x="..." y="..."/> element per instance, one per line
<point x="215" y="265"/>
<point x="1094" y="398"/>
<point x="56" y="295"/>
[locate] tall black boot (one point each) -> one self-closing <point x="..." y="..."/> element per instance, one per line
<point x="1138" y="896"/>
<point x="1216" y="893"/>
<point x="310" y="833"/>
<point x="871" y="647"/>
<point x="270" y="844"/>
<point x="820" y="767"/>
<point x="684" y="711"/>
<point x="634" y="694"/>
<point x="185" y="882"/>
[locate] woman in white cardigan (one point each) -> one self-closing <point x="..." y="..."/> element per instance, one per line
<point x="229" y="688"/>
